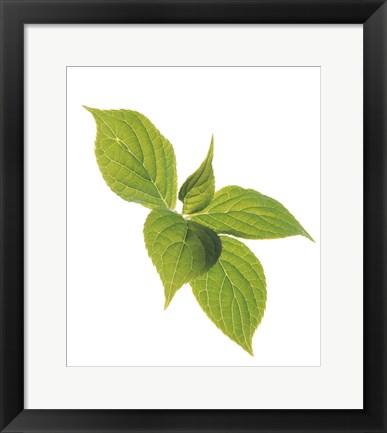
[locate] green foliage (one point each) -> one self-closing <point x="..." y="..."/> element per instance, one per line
<point x="197" y="191"/>
<point x="180" y="250"/>
<point x="135" y="160"/>
<point x="228" y="281"/>
<point x="233" y="292"/>
<point x="248" y="214"/>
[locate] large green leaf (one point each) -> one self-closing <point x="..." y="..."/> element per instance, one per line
<point x="248" y="214"/>
<point x="135" y="160"/>
<point x="233" y="292"/>
<point x="197" y="191"/>
<point x="179" y="250"/>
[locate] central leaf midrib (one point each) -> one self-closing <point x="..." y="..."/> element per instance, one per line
<point x="213" y="215"/>
<point x="154" y="155"/>
<point x="177" y="262"/>
<point x="236" y="300"/>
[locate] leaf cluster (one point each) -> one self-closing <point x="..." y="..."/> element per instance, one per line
<point x="138" y="163"/>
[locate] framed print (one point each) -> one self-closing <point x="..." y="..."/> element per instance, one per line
<point x="193" y="216"/>
<point x="195" y="347"/>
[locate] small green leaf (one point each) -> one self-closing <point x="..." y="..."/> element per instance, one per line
<point x="179" y="251"/>
<point x="197" y="191"/>
<point x="135" y="160"/>
<point x="233" y="292"/>
<point x="248" y="214"/>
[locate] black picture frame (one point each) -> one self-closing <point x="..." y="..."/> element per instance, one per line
<point x="14" y="14"/>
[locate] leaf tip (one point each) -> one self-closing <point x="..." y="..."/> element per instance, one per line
<point x="91" y="110"/>
<point x="249" y="349"/>
<point x="308" y="236"/>
<point x="211" y="149"/>
<point x="167" y="302"/>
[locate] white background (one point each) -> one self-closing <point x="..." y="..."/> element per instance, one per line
<point x="338" y="382"/>
<point x="266" y="125"/>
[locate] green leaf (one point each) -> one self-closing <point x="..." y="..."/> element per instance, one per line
<point x="233" y="292"/>
<point x="135" y="160"/>
<point x="248" y="214"/>
<point x="179" y="250"/>
<point x="197" y="191"/>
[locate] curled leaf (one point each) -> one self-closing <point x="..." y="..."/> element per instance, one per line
<point x="197" y="191"/>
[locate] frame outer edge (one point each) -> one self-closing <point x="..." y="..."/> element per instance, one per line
<point x="12" y="220"/>
<point x="375" y="219"/>
<point x="12" y="229"/>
